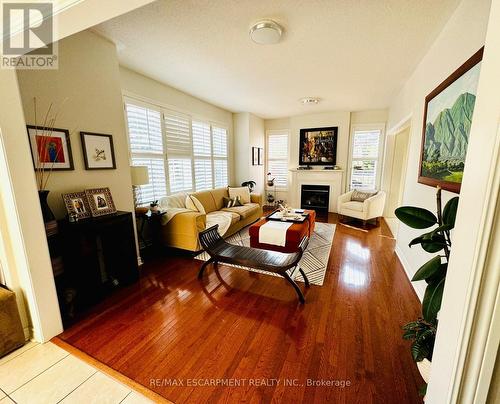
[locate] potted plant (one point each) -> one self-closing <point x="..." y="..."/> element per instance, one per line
<point x="433" y="272"/>
<point x="249" y="184"/>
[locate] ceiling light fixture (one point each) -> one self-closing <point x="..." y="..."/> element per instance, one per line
<point x="266" y="32"/>
<point x="310" y="100"/>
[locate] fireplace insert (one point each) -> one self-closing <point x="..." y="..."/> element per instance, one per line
<point x="315" y="197"/>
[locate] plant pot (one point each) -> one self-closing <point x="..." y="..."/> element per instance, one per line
<point x="424" y="367"/>
<point x="47" y="214"/>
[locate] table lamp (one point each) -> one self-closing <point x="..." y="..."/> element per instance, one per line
<point x="140" y="176"/>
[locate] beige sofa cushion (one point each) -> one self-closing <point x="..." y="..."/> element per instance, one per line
<point x="206" y="199"/>
<point x="358" y="206"/>
<point x="242" y="192"/>
<point x="244" y="211"/>
<point x="193" y="203"/>
<point x="218" y="195"/>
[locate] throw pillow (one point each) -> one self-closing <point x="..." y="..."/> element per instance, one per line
<point x="243" y="192"/>
<point x="194" y="203"/>
<point x="232" y="202"/>
<point x="359" y="196"/>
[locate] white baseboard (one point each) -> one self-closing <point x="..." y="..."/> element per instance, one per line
<point x="417" y="286"/>
<point x="140" y="262"/>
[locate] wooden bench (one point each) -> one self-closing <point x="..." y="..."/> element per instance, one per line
<point x="274" y="262"/>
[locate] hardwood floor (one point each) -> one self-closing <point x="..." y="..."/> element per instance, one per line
<point x="249" y="332"/>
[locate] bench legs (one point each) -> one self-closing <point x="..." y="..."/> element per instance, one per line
<point x="296" y="287"/>
<point x="205" y="264"/>
<point x="306" y="281"/>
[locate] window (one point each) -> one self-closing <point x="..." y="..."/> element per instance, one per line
<point x="365" y="158"/>
<point x="182" y="154"/>
<point x="202" y="151"/>
<point x="219" y="147"/>
<point x="146" y="147"/>
<point x="179" y="151"/>
<point x="277" y="157"/>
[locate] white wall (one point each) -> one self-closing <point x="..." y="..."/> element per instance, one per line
<point x="454" y="46"/>
<point x="28" y="269"/>
<point x="473" y="238"/>
<point x="86" y="88"/>
<point x="138" y="86"/>
<point x="248" y="132"/>
<point x="317" y="120"/>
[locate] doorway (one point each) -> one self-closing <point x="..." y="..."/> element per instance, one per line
<point x="397" y="155"/>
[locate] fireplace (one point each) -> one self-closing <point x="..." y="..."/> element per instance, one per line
<point x="316" y="197"/>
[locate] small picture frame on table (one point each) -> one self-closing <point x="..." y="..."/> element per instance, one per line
<point x="77" y="205"/>
<point x="100" y="201"/>
<point x="98" y="151"/>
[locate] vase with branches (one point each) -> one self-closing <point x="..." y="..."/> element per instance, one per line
<point x="43" y="168"/>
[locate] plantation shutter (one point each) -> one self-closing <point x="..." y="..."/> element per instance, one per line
<point x="365" y="155"/>
<point x="219" y="144"/>
<point x="277" y="158"/>
<point x="146" y="148"/>
<point x="202" y="151"/>
<point x="179" y="151"/>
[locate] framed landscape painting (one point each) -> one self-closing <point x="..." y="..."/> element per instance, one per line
<point x="447" y="122"/>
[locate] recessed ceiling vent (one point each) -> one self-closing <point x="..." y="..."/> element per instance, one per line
<point x="266" y="32"/>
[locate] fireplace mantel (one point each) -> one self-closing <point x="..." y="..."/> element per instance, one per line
<point x="332" y="178"/>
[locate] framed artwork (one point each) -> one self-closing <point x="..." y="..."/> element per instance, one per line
<point x="50" y="148"/>
<point x="260" y="160"/>
<point x="100" y="201"/>
<point x="98" y="151"/>
<point x="447" y="120"/>
<point x="77" y="203"/>
<point x="318" y="146"/>
<point x="255" y="156"/>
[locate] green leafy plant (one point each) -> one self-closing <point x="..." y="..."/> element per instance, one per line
<point x="249" y="184"/>
<point x="422" y="332"/>
<point x="436" y="240"/>
<point x="423" y="335"/>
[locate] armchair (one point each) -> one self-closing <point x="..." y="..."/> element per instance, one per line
<point x="370" y="208"/>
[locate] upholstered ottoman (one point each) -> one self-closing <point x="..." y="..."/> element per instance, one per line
<point x="11" y="329"/>
<point x="294" y="234"/>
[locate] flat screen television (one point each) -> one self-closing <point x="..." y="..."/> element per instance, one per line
<point x="318" y="146"/>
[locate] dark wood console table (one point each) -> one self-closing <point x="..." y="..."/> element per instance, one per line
<point x="99" y="256"/>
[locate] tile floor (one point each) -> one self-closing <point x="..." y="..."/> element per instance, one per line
<point x="47" y="374"/>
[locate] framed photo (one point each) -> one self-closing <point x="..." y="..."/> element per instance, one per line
<point x="260" y="160"/>
<point x="100" y="201"/>
<point x="255" y="156"/>
<point x="98" y="151"/>
<point x="318" y="146"/>
<point x="77" y="203"/>
<point x="50" y="148"/>
<point x="447" y="121"/>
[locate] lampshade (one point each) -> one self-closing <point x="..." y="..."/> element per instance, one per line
<point x="140" y="175"/>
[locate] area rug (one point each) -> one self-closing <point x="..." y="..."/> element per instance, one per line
<point x="314" y="261"/>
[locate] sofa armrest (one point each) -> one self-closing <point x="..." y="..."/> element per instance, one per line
<point x="256" y="198"/>
<point x="374" y="206"/>
<point x="343" y="199"/>
<point x="182" y="230"/>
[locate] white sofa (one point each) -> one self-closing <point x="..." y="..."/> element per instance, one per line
<point x="371" y="208"/>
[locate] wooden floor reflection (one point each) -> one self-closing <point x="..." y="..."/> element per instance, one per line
<point x="239" y="327"/>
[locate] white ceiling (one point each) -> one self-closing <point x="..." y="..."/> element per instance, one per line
<point x="354" y="55"/>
